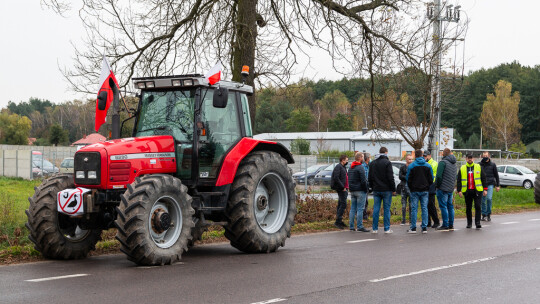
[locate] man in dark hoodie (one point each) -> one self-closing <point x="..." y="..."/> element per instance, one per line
<point x="419" y="179"/>
<point x="445" y="182"/>
<point x="492" y="180"/>
<point x="340" y="183"/>
<point x="358" y="188"/>
<point x="381" y="180"/>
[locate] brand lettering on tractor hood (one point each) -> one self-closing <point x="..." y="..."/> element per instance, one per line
<point x="141" y="155"/>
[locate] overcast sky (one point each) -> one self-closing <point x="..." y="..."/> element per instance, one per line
<point x="35" y="42"/>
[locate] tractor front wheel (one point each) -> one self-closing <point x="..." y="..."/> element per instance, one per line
<point x="154" y="220"/>
<point x="56" y="235"/>
<point x="262" y="203"/>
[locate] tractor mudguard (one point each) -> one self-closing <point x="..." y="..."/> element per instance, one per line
<point x="245" y="146"/>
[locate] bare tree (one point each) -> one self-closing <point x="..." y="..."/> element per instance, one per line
<point x="164" y="37"/>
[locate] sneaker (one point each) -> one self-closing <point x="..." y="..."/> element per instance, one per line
<point x="388" y="231"/>
<point x="412" y="231"/>
<point x="338" y="226"/>
<point x="352" y="229"/>
<point x="424" y="230"/>
<point x="483" y="218"/>
<point x="489" y="218"/>
<point x="403" y="224"/>
<point x="443" y="228"/>
<point x="435" y="226"/>
<point x="374" y="231"/>
<point x="451" y="228"/>
<point x="478" y="227"/>
<point x="363" y="230"/>
<point x="469" y="226"/>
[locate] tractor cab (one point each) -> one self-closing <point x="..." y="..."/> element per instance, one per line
<point x="205" y="121"/>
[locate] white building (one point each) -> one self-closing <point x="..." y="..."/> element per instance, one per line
<point x="370" y="141"/>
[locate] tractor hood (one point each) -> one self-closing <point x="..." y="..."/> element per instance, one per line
<point x="118" y="162"/>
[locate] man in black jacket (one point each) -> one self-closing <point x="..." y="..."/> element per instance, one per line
<point x="381" y="180"/>
<point x="405" y="192"/>
<point x="340" y="183"/>
<point x="492" y="181"/>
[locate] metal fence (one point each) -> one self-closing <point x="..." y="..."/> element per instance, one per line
<point x="32" y="161"/>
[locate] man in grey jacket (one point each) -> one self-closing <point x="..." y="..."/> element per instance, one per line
<point x="445" y="182"/>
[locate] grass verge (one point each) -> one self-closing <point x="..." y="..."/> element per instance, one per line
<point x="314" y="215"/>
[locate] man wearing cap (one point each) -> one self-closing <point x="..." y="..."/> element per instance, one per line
<point x="470" y="181"/>
<point x="432" y="209"/>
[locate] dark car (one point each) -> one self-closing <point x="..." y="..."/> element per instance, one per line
<point x="300" y="177"/>
<point x="324" y="176"/>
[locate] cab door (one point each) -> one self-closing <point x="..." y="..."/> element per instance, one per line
<point x="219" y="130"/>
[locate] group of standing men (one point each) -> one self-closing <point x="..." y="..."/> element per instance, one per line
<point x="421" y="180"/>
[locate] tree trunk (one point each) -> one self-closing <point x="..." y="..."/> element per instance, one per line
<point x="244" y="46"/>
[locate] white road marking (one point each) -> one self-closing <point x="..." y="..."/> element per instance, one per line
<point x="509" y="223"/>
<point x="59" y="277"/>
<point x="360" y="241"/>
<point x="270" y="301"/>
<point x="431" y="270"/>
<point x="533" y="220"/>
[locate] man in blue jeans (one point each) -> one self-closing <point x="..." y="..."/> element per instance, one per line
<point x="492" y="179"/>
<point x="419" y="179"/>
<point x="445" y="183"/>
<point x="381" y="180"/>
<point x="358" y="188"/>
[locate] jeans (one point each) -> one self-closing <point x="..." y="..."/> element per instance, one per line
<point x="423" y="198"/>
<point x="405" y="198"/>
<point x="386" y="198"/>
<point x="487" y="201"/>
<point x="447" y="207"/>
<point x="341" y="205"/>
<point x="358" y="201"/>
<point x="473" y="196"/>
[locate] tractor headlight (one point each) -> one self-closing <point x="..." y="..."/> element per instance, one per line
<point x="141" y="85"/>
<point x="79" y="174"/>
<point x="150" y="84"/>
<point x="92" y="175"/>
<point x="188" y="82"/>
<point x="176" y="82"/>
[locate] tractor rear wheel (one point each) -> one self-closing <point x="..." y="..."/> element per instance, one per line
<point x="537" y="189"/>
<point x="154" y="220"/>
<point x="56" y="235"/>
<point x="262" y="203"/>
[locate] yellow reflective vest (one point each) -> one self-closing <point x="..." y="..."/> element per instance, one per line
<point x="434" y="166"/>
<point x="476" y="175"/>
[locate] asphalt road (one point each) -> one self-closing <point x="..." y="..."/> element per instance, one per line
<point x="498" y="264"/>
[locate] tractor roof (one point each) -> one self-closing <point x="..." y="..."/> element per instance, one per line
<point x="183" y="81"/>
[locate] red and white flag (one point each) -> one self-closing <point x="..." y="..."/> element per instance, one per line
<point x="106" y="81"/>
<point x="214" y="75"/>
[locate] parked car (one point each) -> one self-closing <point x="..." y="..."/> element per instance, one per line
<point x="43" y="167"/>
<point x="396" y="165"/>
<point x="515" y="175"/>
<point x="324" y="176"/>
<point x="67" y="165"/>
<point x="300" y="177"/>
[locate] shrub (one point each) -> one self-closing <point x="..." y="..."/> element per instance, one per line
<point x="300" y="146"/>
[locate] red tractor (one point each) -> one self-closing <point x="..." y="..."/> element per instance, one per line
<point x="191" y="163"/>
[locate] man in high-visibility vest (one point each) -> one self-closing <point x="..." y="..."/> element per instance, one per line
<point x="472" y="180"/>
<point x="432" y="209"/>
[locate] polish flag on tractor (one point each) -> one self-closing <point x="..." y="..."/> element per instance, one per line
<point x="107" y="82"/>
<point x="214" y="75"/>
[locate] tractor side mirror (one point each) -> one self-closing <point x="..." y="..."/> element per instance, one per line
<point x="102" y="100"/>
<point x="221" y="96"/>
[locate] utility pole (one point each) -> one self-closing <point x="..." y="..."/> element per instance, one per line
<point x="434" y="13"/>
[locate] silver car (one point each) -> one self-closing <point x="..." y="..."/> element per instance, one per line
<point x="515" y="175"/>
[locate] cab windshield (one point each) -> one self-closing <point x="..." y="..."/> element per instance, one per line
<point x="167" y="113"/>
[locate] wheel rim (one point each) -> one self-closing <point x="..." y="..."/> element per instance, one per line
<point x="271" y="203"/>
<point x="70" y="230"/>
<point x="165" y="222"/>
<point x="527" y="185"/>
